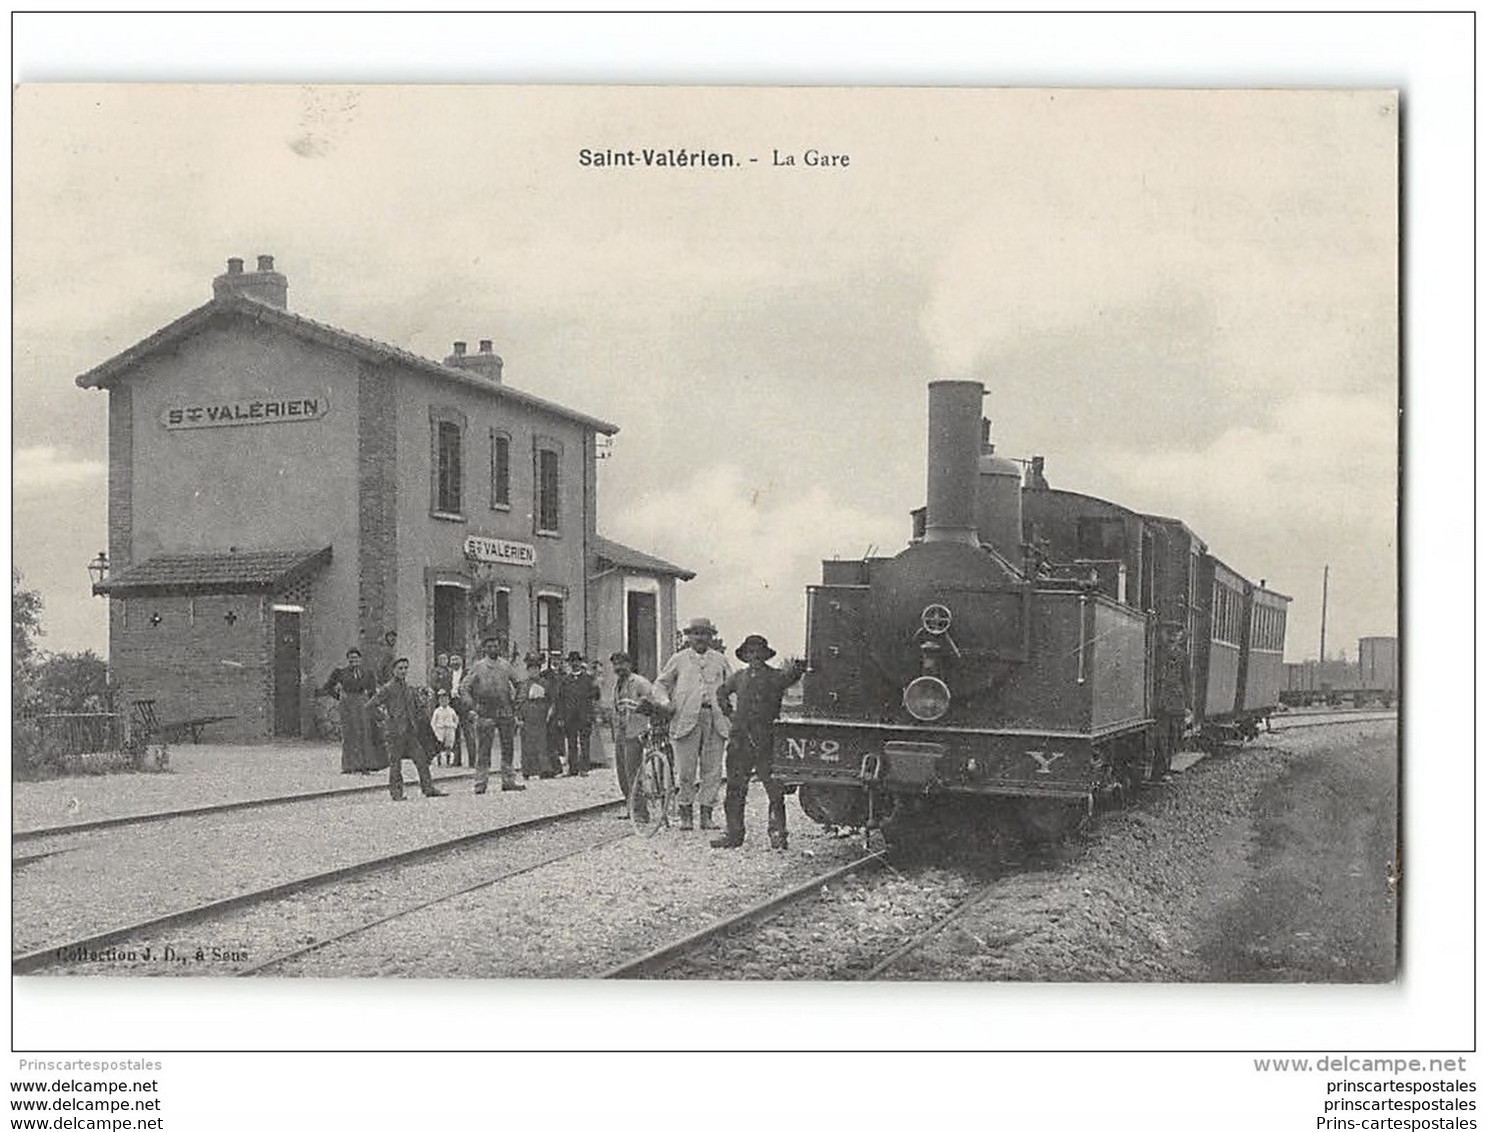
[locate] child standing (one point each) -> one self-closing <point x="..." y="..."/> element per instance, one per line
<point x="446" y="723"/>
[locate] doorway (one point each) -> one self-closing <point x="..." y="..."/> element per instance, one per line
<point x="286" y="673"/>
<point x="640" y="631"/>
<point x="450" y="611"/>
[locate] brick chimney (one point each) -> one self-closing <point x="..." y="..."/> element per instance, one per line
<point x="487" y="362"/>
<point x="266" y="285"/>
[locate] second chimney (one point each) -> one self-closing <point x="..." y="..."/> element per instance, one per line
<point x="487" y="362"/>
<point x="266" y="285"/>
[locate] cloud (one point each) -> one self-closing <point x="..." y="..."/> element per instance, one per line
<point x="43" y="468"/>
<point x="1312" y="484"/>
<point x="1282" y="240"/>
<point x="1327" y="458"/>
<point x="754" y="547"/>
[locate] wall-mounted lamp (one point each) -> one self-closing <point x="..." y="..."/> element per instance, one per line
<point x="98" y="570"/>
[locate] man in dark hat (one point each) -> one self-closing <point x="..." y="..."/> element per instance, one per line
<point x="751" y="699"/>
<point x="578" y="692"/>
<point x="488" y="694"/>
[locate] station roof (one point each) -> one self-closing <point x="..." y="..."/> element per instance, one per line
<point x="627" y="557"/>
<point x="232" y="571"/>
<point x="239" y="305"/>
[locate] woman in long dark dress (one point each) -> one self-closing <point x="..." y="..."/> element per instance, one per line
<point x="536" y="712"/>
<point x="351" y="686"/>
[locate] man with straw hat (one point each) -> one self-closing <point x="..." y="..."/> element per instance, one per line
<point x="699" y="728"/>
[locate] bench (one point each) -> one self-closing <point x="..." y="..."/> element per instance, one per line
<point x="178" y="728"/>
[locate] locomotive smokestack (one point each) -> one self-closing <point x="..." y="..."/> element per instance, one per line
<point x="954" y="447"/>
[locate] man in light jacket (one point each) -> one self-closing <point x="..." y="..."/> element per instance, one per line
<point x="699" y="728"/>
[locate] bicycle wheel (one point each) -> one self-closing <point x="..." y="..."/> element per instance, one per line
<point x="651" y="794"/>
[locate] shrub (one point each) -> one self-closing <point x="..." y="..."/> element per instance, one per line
<point x="34" y="754"/>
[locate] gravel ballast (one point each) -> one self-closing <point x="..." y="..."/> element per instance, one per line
<point x="1200" y="881"/>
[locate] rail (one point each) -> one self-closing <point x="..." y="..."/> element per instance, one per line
<point x="59" y="952"/>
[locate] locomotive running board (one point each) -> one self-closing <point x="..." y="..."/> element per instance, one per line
<point x="1092" y="736"/>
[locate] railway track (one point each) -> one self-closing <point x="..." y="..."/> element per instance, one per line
<point x="79" y="947"/>
<point x="204" y="811"/>
<point x="658" y="960"/>
<point x="280" y="958"/>
<point x="686" y="952"/>
<point x="1292" y="723"/>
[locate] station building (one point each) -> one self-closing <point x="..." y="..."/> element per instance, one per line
<point x="281" y="490"/>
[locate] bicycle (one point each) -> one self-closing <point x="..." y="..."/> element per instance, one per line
<point x="652" y="798"/>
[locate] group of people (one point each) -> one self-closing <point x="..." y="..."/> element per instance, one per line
<point x="720" y="722"/>
<point x="384" y="719"/>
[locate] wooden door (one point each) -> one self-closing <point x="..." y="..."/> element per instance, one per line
<point x="286" y="673"/>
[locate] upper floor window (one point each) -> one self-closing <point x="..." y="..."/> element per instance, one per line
<point x="447" y="487"/>
<point x="449" y="468"/>
<point x="547" y="513"/>
<point x="500" y="469"/>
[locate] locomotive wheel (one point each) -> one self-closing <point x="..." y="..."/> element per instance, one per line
<point x="833" y="805"/>
<point x="1043" y="822"/>
<point x="912" y="828"/>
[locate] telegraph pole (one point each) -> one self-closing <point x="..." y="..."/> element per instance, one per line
<point x="1322" y="649"/>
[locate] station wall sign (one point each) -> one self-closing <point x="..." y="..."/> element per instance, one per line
<point x="268" y="410"/>
<point x="478" y="548"/>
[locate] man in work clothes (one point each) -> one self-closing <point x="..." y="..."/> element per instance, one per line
<point x="757" y="690"/>
<point x="488" y="692"/>
<point x="404" y="730"/>
<point x="635" y="701"/>
<point x="690" y="681"/>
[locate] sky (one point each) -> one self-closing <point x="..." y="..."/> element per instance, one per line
<point x="1186" y="301"/>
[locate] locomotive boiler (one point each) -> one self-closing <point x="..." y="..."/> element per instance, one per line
<point x="985" y="671"/>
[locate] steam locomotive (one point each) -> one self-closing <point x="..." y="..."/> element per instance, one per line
<point x="1031" y="651"/>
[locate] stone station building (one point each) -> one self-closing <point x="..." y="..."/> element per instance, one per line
<point x="280" y="490"/>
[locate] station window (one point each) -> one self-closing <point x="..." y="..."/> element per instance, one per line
<point x="503" y="614"/>
<point x="546" y="513"/>
<point x="549" y="623"/>
<point x="447" y="486"/>
<point x="449" y="468"/>
<point x="500" y="470"/>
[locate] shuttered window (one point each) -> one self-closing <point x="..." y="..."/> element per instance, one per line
<point x="449" y="468"/>
<point x="548" y="484"/>
<point x="500" y="447"/>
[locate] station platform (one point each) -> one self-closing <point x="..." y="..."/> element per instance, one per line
<point x="213" y="774"/>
